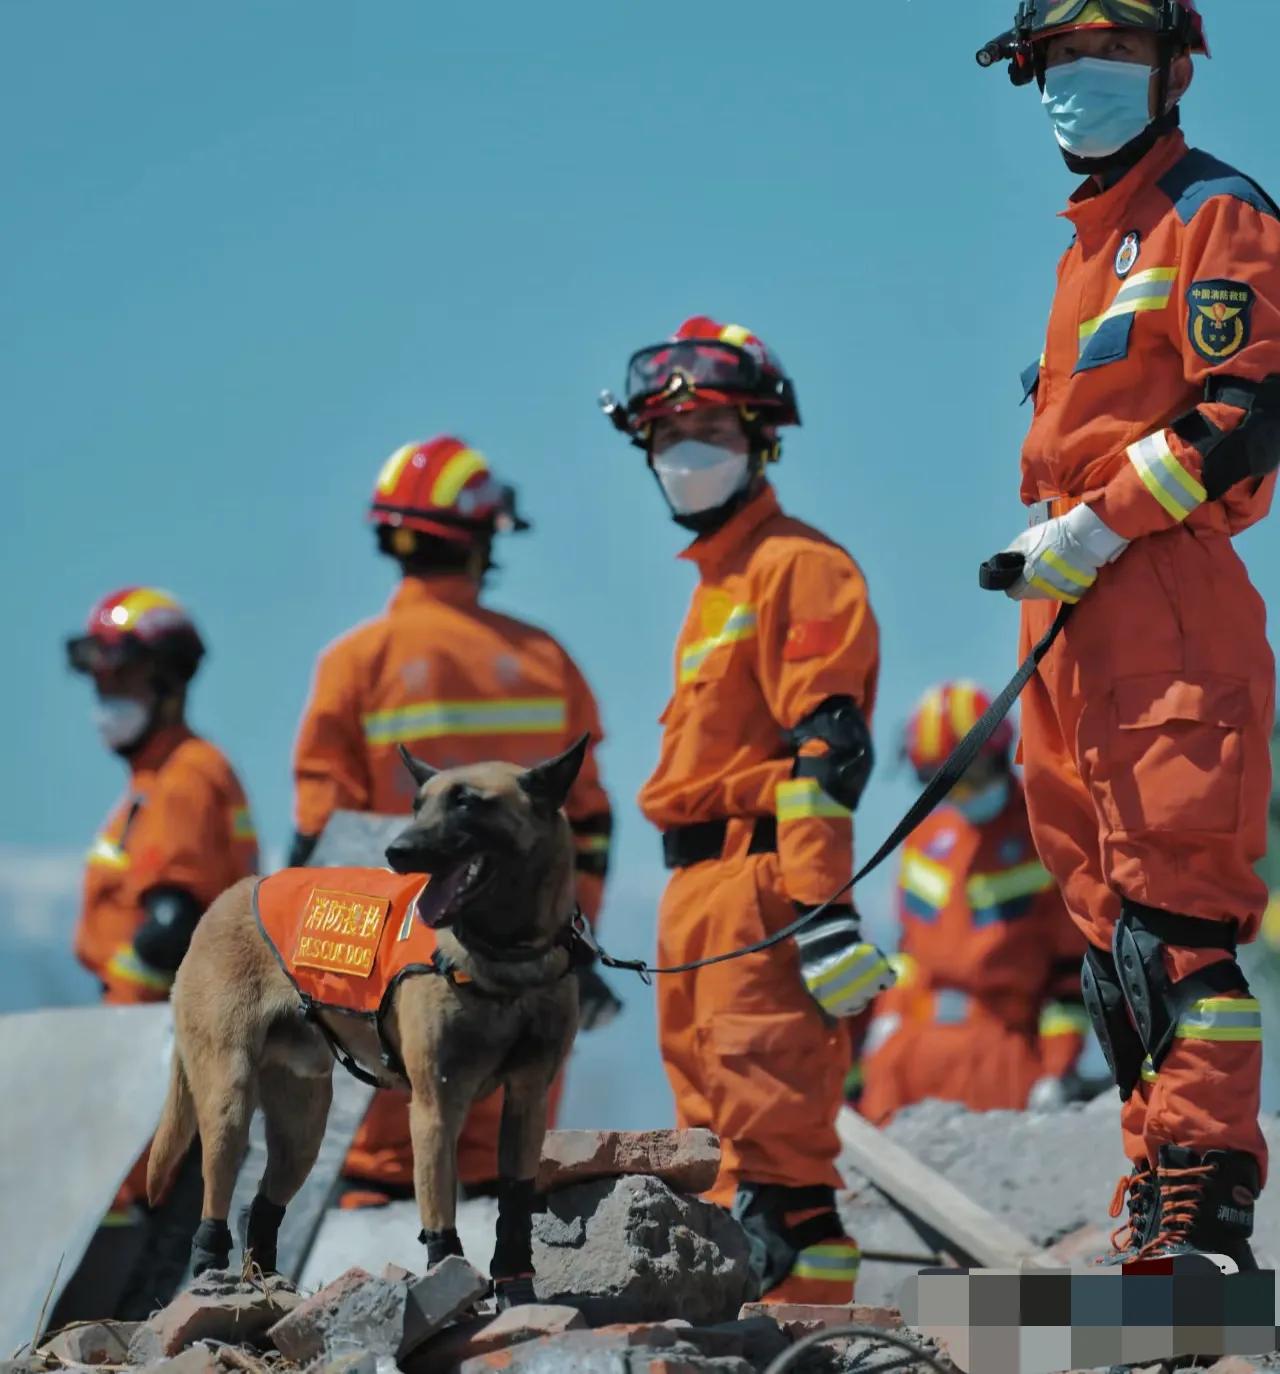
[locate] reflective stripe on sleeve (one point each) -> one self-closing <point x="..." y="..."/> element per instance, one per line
<point x="1164" y="477"/>
<point x="1221" y="1018"/>
<point x="990" y="889"/>
<point x="802" y="798"/>
<point x="126" y="966"/>
<point x="1063" y="1018"/>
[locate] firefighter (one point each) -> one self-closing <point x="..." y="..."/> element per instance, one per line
<point x="456" y="683"/>
<point x="1145" y="732"/>
<point x="765" y="752"/>
<point x="987" y="1008"/>
<point x="181" y="834"/>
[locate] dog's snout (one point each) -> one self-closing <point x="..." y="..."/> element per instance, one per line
<point x="402" y="853"/>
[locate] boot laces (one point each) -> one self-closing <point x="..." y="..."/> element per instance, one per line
<point x="1180" y="1194"/>
<point x="1130" y="1187"/>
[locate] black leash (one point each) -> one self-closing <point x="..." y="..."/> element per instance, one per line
<point x="1000" y="572"/>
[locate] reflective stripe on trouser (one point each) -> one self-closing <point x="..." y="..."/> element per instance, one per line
<point x="747" y="1052"/>
<point x="823" y="1275"/>
<point x="1160" y="693"/>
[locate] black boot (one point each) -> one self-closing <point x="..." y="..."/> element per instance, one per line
<point x="1206" y="1205"/>
<point x="1140" y="1191"/>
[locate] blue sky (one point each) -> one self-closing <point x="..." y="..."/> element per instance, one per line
<point x="248" y="256"/>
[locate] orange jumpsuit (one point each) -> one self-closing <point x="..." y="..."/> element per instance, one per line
<point x="779" y="622"/>
<point x="1145" y="733"/>
<point x="455" y="683"/>
<point x="987" y="1000"/>
<point x="184" y="823"/>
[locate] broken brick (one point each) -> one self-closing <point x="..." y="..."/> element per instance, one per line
<point x="687" y="1161"/>
<point x="801" y="1319"/>
<point x="92" y="1343"/>
<point x="218" y="1306"/>
<point x="482" y="1336"/>
<point x="195" y="1359"/>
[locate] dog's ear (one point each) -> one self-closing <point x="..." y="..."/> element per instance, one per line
<point x="422" y="772"/>
<point x="548" y="783"/>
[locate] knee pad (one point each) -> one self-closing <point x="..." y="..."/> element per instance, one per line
<point x="1104" y="1000"/>
<point x="761" y="1210"/>
<point x="1154" y="1001"/>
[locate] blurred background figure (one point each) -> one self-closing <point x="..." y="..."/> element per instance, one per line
<point x="1261" y="960"/>
<point x="179" y="836"/>
<point x="987" y="1010"/>
<point x="456" y="683"/>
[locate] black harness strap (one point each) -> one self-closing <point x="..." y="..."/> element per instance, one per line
<point x="934" y="793"/>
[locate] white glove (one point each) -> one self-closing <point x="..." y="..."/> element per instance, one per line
<point x="1062" y="556"/>
<point x="1047" y="1095"/>
<point x="843" y="974"/>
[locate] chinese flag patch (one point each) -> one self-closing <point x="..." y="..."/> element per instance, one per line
<point x="809" y="638"/>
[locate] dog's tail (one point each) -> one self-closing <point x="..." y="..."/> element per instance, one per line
<point x="175" y="1133"/>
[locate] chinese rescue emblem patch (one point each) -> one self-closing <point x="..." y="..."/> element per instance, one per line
<point x="1218" y="319"/>
<point x="1127" y="253"/>
<point x="340" y="932"/>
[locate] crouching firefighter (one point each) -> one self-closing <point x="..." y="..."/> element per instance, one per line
<point x="765" y="753"/>
<point x="1155" y="431"/>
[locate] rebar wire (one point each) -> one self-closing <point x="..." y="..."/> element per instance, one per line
<point x="789" y="1357"/>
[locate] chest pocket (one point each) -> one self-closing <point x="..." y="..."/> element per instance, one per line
<point x="707" y="659"/>
<point x="1107" y="337"/>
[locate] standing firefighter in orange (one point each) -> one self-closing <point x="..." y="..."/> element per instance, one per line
<point x="987" y="1008"/>
<point x="765" y="753"/>
<point x="181" y="834"/>
<point x="1156" y="426"/>
<point x="458" y="683"/>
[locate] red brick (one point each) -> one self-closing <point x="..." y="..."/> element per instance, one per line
<point x="687" y="1161"/>
<point x="220" y="1309"/>
<point x="484" y="1335"/>
<point x="800" y="1319"/>
<point x="92" y="1343"/>
<point x="300" y="1335"/>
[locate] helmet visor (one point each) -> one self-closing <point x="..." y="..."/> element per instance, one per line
<point x="1043" y="17"/>
<point x="687" y="365"/>
<point x="89" y="654"/>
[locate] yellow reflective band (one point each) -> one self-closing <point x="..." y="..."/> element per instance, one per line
<point x="140" y="602"/>
<point x="390" y="472"/>
<point x="835" y="1261"/>
<point x="1221" y="1018"/>
<point x="865" y="957"/>
<point x="1164" y="477"/>
<point x="990" y="889"/>
<point x="1061" y="1018"/>
<point x="1050" y="590"/>
<point x="803" y="798"/>
<point x="104" y="853"/>
<point x="126" y="965"/>
<point x="1149" y="1074"/>
<point x="242" y="827"/>
<point x="929" y="724"/>
<point x="1065" y="570"/>
<point x="963" y="715"/>
<point x="735" y="334"/>
<point x="440" y="719"/>
<point x="739" y="624"/>
<point x="591" y="844"/>
<point x="928" y="880"/>
<point x="457" y="472"/>
<point x="1149" y="290"/>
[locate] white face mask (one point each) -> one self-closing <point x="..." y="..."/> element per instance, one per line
<point x="698" y="477"/>
<point x="120" y="721"/>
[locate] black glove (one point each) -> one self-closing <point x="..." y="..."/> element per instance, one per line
<point x="597" y="1005"/>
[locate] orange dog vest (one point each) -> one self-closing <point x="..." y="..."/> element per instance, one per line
<point x="346" y="938"/>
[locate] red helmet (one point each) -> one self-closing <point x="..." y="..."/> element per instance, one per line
<point x="138" y="624"/>
<point x="442" y="488"/>
<point x="1177" y="21"/>
<point x="942" y="718"/>
<point x="704" y="364"/>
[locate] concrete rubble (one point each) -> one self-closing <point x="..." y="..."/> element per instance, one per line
<point x="634" y="1275"/>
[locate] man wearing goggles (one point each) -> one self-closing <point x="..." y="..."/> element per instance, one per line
<point x="181" y="834"/>
<point x="765" y="753"/>
<point x="1155" y="433"/>
<point x="987" y="1008"/>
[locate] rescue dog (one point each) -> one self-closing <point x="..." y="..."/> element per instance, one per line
<point x="497" y="1009"/>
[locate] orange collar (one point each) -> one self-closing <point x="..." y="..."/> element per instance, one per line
<point x="1096" y="214"/>
<point x="156" y="751"/>
<point x="709" y="551"/>
<point x="450" y="589"/>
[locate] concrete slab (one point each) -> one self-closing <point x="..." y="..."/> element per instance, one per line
<point x="82" y="1090"/>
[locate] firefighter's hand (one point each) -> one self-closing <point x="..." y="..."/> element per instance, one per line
<point x="1061" y="557"/>
<point x="597" y="1005"/>
<point x="841" y="971"/>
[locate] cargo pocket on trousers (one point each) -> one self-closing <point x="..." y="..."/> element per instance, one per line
<point x="764" y="1046"/>
<point x="1174" y="757"/>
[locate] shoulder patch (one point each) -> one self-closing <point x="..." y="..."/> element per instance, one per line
<point x="1218" y="318"/>
<point x="1198" y="178"/>
<point x="810" y="638"/>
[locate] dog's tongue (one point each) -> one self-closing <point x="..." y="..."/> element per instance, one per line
<point x="438" y="895"/>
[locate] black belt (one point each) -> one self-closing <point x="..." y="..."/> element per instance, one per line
<point x="684" y="845"/>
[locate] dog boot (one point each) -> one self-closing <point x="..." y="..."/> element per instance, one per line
<point x="210" y="1246"/>
<point x="1206" y="1206"/>
<point x="260" y="1231"/>
<point x="1139" y="1191"/>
